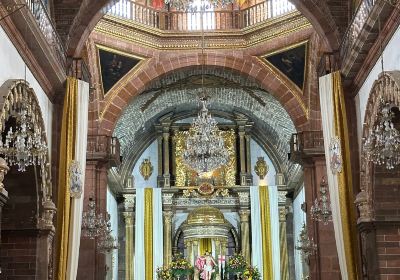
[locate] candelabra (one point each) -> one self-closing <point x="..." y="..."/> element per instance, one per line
<point x="321" y="210"/>
<point x="382" y="145"/>
<point x="304" y="244"/>
<point x="94" y="225"/>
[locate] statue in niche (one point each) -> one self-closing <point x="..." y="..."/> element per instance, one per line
<point x="205" y="264"/>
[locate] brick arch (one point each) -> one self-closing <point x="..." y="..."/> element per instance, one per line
<point x="288" y="96"/>
<point x="91" y="11"/>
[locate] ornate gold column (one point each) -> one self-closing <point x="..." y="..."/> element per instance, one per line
<point x="129" y="220"/>
<point x="167" y="215"/>
<point x="245" y="234"/>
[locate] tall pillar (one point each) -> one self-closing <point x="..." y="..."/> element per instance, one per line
<point x="3" y="193"/>
<point x="242" y="156"/>
<point x="129" y="234"/>
<point x="166" y="175"/>
<point x="283" y="242"/>
<point x="245" y="233"/>
<point x="160" y="179"/>
<point x="248" y="159"/>
<point x="167" y="215"/>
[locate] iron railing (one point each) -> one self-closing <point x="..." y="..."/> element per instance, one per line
<point x="45" y="24"/>
<point x="189" y="21"/>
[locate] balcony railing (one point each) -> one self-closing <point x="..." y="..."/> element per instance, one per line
<point x="103" y="148"/>
<point x="189" y="21"/>
<point x="47" y="28"/>
<point x="305" y="144"/>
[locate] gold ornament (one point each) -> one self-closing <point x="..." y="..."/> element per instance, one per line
<point x="261" y="168"/>
<point x="146" y="169"/>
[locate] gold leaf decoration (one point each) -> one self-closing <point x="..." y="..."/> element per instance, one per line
<point x="261" y="168"/>
<point x="146" y="169"/>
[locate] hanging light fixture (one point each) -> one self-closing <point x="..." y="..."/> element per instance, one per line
<point x="93" y="224"/>
<point x="24" y="145"/>
<point x="321" y="210"/>
<point x="305" y="244"/>
<point x="107" y="242"/>
<point x="205" y="148"/>
<point x="382" y="144"/>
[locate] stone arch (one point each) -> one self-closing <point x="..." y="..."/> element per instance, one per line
<point x="378" y="200"/>
<point x="386" y="88"/>
<point x="289" y="97"/>
<point x="32" y="189"/>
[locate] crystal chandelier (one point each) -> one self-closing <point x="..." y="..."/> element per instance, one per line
<point x="304" y="244"/>
<point x="321" y="210"/>
<point x="94" y="225"/>
<point x="205" y="149"/>
<point x="24" y="146"/>
<point x="382" y="145"/>
<point x="107" y="242"/>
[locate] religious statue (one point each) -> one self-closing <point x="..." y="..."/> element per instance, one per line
<point x="205" y="264"/>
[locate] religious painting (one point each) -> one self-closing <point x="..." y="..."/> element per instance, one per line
<point x="224" y="176"/>
<point x="114" y="65"/>
<point x="291" y="62"/>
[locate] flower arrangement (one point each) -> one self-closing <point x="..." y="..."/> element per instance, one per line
<point x="164" y="273"/>
<point x="236" y="264"/>
<point x="178" y="267"/>
<point x="251" y="273"/>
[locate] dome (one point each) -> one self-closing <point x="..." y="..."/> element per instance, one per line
<point x="205" y="215"/>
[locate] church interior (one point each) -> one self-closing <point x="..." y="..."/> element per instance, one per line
<point x="200" y="139"/>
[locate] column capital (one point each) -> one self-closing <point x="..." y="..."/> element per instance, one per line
<point x="282" y="214"/>
<point x="167" y="215"/>
<point x="244" y="215"/>
<point x="129" y="217"/>
<point x="129" y="202"/>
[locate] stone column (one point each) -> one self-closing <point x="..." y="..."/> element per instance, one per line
<point x="283" y="243"/>
<point x="160" y="161"/>
<point x="129" y="221"/>
<point x="242" y="157"/>
<point x="245" y="233"/>
<point x="166" y="157"/>
<point x="167" y="215"/>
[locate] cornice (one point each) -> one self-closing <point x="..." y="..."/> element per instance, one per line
<point x="133" y="32"/>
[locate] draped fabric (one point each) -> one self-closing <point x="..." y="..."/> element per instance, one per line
<point x="334" y="123"/>
<point x="139" y="271"/>
<point x="256" y="241"/>
<point x="274" y="233"/>
<point x="299" y="218"/>
<point x="267" y="249"/>
<point x="148" y="233"/>
<point x="158" y="235"/>
<point x="205" y="246"/>
<point x="67" y="154"/>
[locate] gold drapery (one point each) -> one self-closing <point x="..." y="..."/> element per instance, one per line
<point x="205" y="245"/>
<point x="67" y="154"/>
<point x="345" y="182"/>
<point x="148" y="233"/>
<point x="267" y="272"/>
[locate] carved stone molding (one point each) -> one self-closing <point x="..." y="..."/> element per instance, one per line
<point x="129" y="202"/>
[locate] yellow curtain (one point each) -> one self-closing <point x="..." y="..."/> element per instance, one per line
<point x="205" y="245"/>
<point x="148" y="232"/>
<point x="346" y="196"/>
<point x="67" y="154"/>
<point x="266" y="233"/>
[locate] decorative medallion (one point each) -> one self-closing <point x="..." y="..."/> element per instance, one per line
<point x="261" y="168"/>
<point x="206" y="189"/>
<point x="146" y="169"/>
<point x="75" y="179"/>
<point x="335" y="155"/>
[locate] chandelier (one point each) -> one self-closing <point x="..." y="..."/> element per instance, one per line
<point x="107" y="242"/>
<point x="321" y="210"/>
<point x="193" y="5"/>
<point x="304" y="244"/>
<point x="205" y="148"/>
<point x="24" y="146"/>
<point x="382" y="145"/>
<point x="94" y="225"/>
